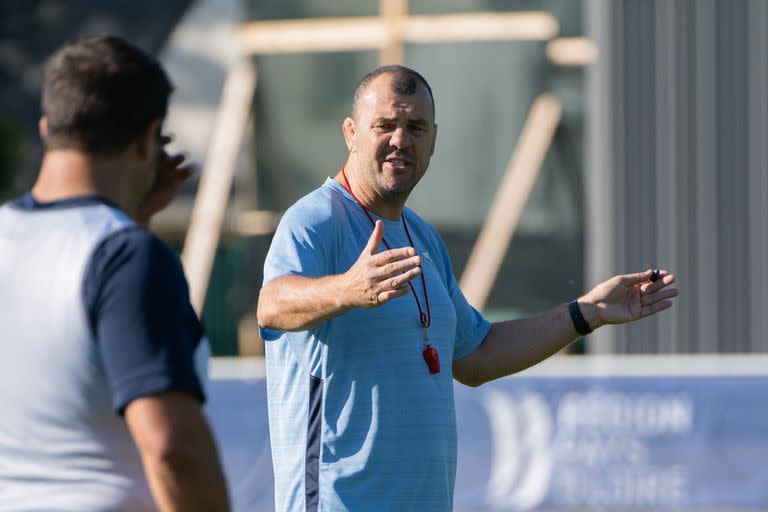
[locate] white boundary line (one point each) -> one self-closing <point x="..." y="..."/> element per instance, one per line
<point x="237" y="368"/>
<point x="663" y="365"/>
<point x="597" y="366"/>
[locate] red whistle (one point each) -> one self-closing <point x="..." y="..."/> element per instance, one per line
<point x="432" y="359"/>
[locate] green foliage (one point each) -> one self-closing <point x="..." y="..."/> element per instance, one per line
<point x="10" y="145"/>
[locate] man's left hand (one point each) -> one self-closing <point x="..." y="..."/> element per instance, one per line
<point x="171" y="174"/>
<point x="626" y="298"/>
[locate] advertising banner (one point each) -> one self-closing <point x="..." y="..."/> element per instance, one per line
<point x="651" y="442"/>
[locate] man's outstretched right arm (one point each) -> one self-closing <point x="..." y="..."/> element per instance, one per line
<point x="297" y="303"/>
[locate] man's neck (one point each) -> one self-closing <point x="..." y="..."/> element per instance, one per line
<point x="372" y="201"/>
<point x="65" y="174"/>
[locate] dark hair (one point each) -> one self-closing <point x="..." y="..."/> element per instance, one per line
<point x="404" y="81"/>
<point x="100" y="93"/>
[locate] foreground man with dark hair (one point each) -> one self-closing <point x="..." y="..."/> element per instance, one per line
<point x="366" y="327"/>
<point x="103" y="367"/>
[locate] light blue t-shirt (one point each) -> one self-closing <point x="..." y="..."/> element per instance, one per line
<point x="357" y="422"/>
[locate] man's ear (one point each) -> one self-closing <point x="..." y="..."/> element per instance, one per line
<point x="434" y="140"/>
<point x="42" y="127"/>
<point x="350" y="134"/>
<point x="148" y="140"/>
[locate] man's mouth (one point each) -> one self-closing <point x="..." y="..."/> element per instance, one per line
<point x="398" y="163"/>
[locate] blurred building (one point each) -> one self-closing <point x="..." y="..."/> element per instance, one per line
<point x="677" y="167"/>
<point x="660" y="157"/>
<point x="675" y="172"/>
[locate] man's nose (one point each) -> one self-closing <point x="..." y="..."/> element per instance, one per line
<point x="400" y="138"/>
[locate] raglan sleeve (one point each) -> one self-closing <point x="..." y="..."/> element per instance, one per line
<point x="302" y="246"/>
<point x="471" y="326"/>
<point x="147" y="332"/>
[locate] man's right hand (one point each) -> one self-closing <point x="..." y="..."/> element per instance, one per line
<point x="298" y="303"/>
<point x="378" y="277"/>
<point x="172" y="172"/>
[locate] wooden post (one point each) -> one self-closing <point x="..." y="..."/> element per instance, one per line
<point x="524" y="166"/>
<point x="571" y="51"/>
<point x="386" y="33"/>
<point x="373" y="33"/>
<point x="392" y="11"/>
<point x="216" y="181"/>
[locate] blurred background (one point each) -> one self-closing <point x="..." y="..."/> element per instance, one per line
<point x="657" y="157"/>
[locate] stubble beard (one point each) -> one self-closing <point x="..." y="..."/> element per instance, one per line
<point x="392" y="189"/>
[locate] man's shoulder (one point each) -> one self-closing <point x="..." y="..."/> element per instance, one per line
<point x="132" y="262"/>
<point x="307" y="239"/>
<point x="135" y="244"/>
<point x="320" y="207"/>
<point x="90" y="217"/>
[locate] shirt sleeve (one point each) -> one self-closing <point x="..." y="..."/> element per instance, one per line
<point x="299" y="247"/>
<point x="137" y="301"/>
<point x="471" y="326"/>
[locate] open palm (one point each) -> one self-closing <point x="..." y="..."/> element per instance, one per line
<point x="630" y="297"/>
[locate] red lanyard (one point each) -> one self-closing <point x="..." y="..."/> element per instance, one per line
<point x="430" y="354"/>
<point x="426" y="320"/>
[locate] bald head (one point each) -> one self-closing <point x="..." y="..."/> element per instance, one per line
<point x="405" y="81"/>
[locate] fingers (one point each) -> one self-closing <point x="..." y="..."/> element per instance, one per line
<point x="393" y="294"/>
<point x="664" y="280"/>
<point x="393" y="256"/>
<point x="398" y="266"/>
<point x="174" y="169"/>
<point x="374" y="242"/>
<point x="389" y="288"/>
<point x="176" y="160"/>
<point x="637" y="278"/>
<point x="399" y="280"/>
<point x="172" y="161"/>
<point x="649" y="299"/>
<point x="383" y="276"/>
<point x="654" y="294"/>
<point x="656" y="278"/>
<point x="187" y="171"/>
<point x="386" y="275"/>
<point x="396" y="286"/>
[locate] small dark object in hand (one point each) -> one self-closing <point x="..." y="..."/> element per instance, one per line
<point x="655" y="275"/>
